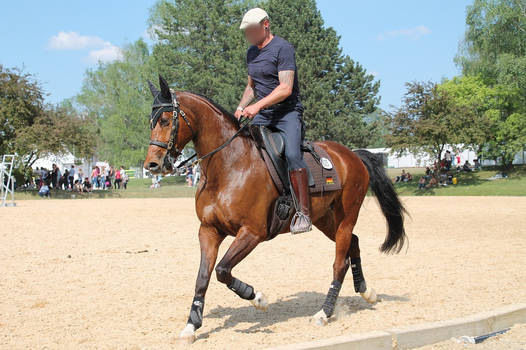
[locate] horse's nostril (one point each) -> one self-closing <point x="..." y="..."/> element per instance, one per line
<point x="153" y="166"/>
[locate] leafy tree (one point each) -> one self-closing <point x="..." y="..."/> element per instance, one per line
<point x="490" y="126"/>
<point x="494" y="28"/>
<point x="337" y="92"/>
<point x="494" y="48"/>
<point x="32" y="129"/>
<point x="200" y="48"/>
<point x="427" y="121"/>
<point x="21" y="102"/>
<point x="116" y="96"/>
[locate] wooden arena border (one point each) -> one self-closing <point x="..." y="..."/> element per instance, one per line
<point x="421" y="334"/>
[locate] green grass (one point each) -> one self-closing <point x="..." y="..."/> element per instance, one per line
<point x="469" y="184"/>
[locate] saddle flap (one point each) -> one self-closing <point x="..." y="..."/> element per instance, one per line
<point x="273" y="142"/>
<point x="277" y="142"/>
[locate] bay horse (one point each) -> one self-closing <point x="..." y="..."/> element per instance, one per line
<point x="235" y="178"/>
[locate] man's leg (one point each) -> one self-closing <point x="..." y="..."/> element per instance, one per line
<point x="292" y="128"/>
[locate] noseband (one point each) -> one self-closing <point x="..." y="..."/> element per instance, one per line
<point x="157" y="110"/>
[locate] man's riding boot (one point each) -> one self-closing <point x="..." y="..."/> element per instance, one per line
<point x="301" y="222"/>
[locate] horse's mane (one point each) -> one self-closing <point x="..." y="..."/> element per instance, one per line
<point x="229" y="115"/>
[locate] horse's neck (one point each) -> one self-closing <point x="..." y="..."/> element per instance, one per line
<point x="213" y="131"/>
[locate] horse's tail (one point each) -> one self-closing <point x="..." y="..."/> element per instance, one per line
<point x="390" y="204"/>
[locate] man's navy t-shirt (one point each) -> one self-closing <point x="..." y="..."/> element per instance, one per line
<point x="264" y="65"/>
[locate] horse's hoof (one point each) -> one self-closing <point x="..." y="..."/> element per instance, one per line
<point x="260" y="301"/>
<point x="369" y="295"/>
<point x="320" y="319"/>
<point x="187" y="336"/>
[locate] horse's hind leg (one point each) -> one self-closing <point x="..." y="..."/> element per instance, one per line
<point x="341" y="265"/>
<point x="360" y="286"/>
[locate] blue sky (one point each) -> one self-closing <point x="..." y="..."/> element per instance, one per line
<point x="398" y="41"/>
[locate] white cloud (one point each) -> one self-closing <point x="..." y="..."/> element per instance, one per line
<point x="100" y="49"/>
<point x="106" y="54"/>
<point x="413" y="33"/>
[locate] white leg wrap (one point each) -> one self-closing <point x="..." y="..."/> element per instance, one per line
<point x="320" y="319"/>
<point x="260" y="301"/>
<point x="369" y="295"/>
<point x="188" y="333"/>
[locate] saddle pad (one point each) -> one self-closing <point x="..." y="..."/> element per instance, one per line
<point x="325" y="180"/>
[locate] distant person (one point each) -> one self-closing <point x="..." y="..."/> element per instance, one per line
<point x="448" y="160"/>
<point x="118" y="180"/>
<point x="422" y="183"/>
<point x="197" y="174"/>
<point x="94" y="176"/>
<point x="476" y="164"/>
<point x="64" y="180"/>
<point x="71" y="176"/>
<point x="124" y="177"/>
<point x="428" y="173"/>
<point x="44" y="191"/>
<point x="402" y="176"/>
<point x="54" y="176"/>
<point x="432" y="182"/>
<point x="86" y="185"/>
<point x="467" y="166"/>
<point x="189" y="176"/>
<point x="103" y="178"/>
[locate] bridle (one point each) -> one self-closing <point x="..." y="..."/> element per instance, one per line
<point x="174" y="107"/>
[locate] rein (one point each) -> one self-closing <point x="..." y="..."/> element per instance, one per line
<point x="243" y="126"/>
<point x="176" y="112"/>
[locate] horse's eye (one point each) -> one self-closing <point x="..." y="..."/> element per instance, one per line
<point x="164" y="121"/>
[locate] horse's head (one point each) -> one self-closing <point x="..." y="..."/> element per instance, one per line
<point x="167" y="138"/>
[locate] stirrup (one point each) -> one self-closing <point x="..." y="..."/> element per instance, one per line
<point x="297" y="216"/>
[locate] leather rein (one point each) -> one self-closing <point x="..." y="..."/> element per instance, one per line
<point x="174" y="107"/>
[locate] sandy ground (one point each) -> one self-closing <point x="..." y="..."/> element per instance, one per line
<point x="120" y="273"/>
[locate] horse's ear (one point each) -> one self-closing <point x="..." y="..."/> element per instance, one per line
<point x="165" y="89"/>
<point x="153" y="89"/>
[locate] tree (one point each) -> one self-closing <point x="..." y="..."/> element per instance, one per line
<point x="494" y="49"/>
<point x="481" y="103"/>
<point x="495" y="29"/>
<point x="32" y="129"/>
<point x="200" y="48"/>
<point x="427" y="121"/>
<point x="116" y="96"/>
<point x="21" y="102"/>
<point x="337" y="92"/>
<point x="490" y="126"/>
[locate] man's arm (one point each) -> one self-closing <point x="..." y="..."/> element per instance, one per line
<point x="281" y="92"/>
<point x="248" y="94"/>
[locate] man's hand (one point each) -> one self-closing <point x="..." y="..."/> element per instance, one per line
<point x="251" y="111"/>
<point x="238" y="114"/>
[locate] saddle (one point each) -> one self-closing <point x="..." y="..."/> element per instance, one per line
<point x="321" y="173"/>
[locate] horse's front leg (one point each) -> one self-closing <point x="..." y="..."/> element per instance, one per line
<point x="209" y="240"/>
<point x="246" y="240"/>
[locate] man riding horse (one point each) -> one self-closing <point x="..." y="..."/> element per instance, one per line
<point x="222" y="198"/>
<point x="273" y="81"/>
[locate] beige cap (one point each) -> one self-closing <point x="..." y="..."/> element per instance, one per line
<point x="253" y="16"/>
